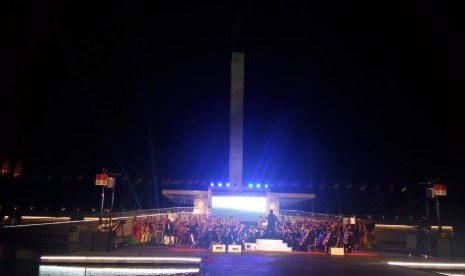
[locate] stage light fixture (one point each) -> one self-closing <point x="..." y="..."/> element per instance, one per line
<point x="250" y="185"/>
<point x="220" y="184"/>
<point x="212" y="184"/>
<point x="227" y="184"/>
<point x="258" y="186"/>
<point x="266" y="185"/>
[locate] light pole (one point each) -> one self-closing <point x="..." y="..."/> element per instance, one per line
<point x="439" y="190"/>
<point x="111" y="185"/>
<point x="101" y="180"/>
<point x="109" y="182"/>
<point x="439" y="217"/>
<point x="426" y="184"/>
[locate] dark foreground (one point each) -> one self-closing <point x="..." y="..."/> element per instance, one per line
<point x="24" y="262"/>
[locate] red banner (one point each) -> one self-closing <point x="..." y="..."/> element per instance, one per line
<point x="101" y="179"/>
<point x="440" y="190"/>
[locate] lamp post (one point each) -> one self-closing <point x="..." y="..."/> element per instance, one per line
<point x="426" y="184"/>
<point x="109" y="182"/>
<point x="439" y="190"/>
<point x="101" y="180"/>
<point x="439" y="217"/>
<point x="111" y="185"/>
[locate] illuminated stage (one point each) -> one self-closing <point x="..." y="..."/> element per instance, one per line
<point x="272" y="245"/>
<point x="204" y="202"/>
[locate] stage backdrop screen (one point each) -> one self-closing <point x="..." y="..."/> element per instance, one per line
<point x="246" y="208"/>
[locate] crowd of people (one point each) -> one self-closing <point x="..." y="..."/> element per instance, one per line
<point x="300" y="233"/>
<point x="314" y="235"/>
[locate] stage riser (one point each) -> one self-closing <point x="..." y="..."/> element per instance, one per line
<point x="232" y="248"/>
<point x="272" y="245"/>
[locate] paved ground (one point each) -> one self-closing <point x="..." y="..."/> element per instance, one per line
<point x="247" y="263"/>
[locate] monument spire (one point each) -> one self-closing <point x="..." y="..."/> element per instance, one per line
<point x="236" y="123"/>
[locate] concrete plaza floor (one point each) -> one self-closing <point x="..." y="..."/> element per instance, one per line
<point x="24" y="262"/>
<point x="294" y="263"/>
<point x="247" y="263"/>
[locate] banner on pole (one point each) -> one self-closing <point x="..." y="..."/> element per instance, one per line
<point x="440" y="190"/>
<point x="101" y="179"/>
<point x="430" y="193"/>
<point x="111" y="182"/>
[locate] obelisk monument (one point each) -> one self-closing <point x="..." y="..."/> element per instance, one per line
<point x="236" y="123"/>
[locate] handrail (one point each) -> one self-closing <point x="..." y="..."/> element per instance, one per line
<point x="153" y="212"/>
<point x="176" y="210"/>
<point x="305" y="214"/>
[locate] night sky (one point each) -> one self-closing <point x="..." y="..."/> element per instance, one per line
<point x="355" y="102"/>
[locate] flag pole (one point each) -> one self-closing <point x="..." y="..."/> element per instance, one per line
<point x="426" y="201"/>
<point x="439" y="217"/>
<point x="100" y="220"/>
<point x="110" y="227"/>
<point x="439" y="190"/>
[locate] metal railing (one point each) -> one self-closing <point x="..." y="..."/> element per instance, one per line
<point x="176" y="210"/>
<point x="152" y="212"/>
<point x="309" y="215"/>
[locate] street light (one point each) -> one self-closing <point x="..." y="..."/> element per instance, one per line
<point x="427" y="188"/>
<point x="103" y="179"/>
<point x="434" y="191"/>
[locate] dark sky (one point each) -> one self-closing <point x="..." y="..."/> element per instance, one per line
<point x="336" y="94"/>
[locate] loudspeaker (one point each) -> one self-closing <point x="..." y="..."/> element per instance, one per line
<point x="218" y="248"/>
<point x="336" y="251"/>
<point x="234" y="248"/>
<point x="250" y="246"/>
<point x="348" y="220"/>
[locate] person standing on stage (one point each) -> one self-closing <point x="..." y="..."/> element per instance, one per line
<point x="271" y="226"/>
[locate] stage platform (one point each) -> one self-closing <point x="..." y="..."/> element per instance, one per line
<point x="268" y="246"/>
